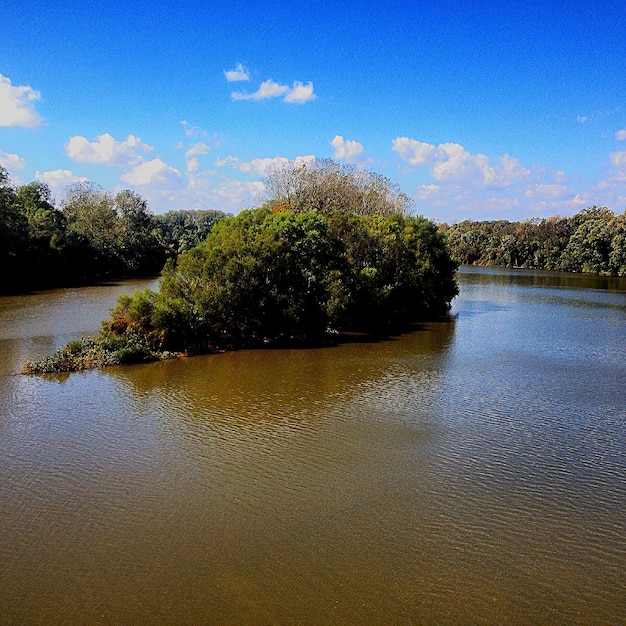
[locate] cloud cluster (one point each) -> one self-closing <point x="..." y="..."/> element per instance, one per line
<point x="452" y="163"/>
<point x="17" y="105"/>
<point x="298" y="93"/>
<point x="106" y="150"/>
<point x="155" y="174"/>
<point x="58" y="180"/>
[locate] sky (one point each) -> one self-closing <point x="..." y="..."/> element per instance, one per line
<point x="477" y="109"/>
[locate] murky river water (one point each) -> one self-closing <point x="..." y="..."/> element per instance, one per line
<point x="472" y="472"/>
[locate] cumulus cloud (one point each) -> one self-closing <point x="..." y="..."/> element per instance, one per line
<point x="348" y="150"/>
<point x="11" y="161"/>
<point x="260" y="167"/>
<point x="427" y="192"/>
<point x="239" y="72"/>
<point x="298" y="93"/>
<point x="193" y="165"/>
<point x="268" y="89"/>
<point x="620" y="135"/>
<point x="417" y="153"/>
<point x="155" y="174"/>
<point x="452" y="163"/>
<point x="196" y="149"/>
<point x="107" y="150"/>
<point x="17" y="105"/>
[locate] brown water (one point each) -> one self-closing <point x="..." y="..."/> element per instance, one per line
<point x="472" y="472"/>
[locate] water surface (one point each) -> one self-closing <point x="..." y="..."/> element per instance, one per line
<point x="470" y="472"/>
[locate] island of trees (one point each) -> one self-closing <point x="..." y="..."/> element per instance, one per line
<point x="592" y="241"/>
<point x="333" y="250"/>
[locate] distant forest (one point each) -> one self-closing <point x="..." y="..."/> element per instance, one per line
<point x="93" y="236"/>
<point x="592" y="241"/>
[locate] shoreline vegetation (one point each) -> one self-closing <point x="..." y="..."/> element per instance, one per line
<point x="592" y="241"/>
<point x="333" y="251"/>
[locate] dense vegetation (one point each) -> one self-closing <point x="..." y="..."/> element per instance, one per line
<point x="592" y="241"/>
<point x="273" y="276"/>
<point x="94" y="235"/>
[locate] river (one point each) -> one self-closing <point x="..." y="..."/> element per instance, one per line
<point x="470" y="472"/>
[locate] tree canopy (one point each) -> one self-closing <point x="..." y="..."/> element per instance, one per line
<point x="591" y="241"/>
<point x="93" y="235"/>
<point x="325" y="185"/>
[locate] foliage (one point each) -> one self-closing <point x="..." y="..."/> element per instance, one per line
<point x="593" y="241"/>
<point x="324" y="185"/>
<point x="271" y="279"/>
<point x="90" y="353"/>
<point x="179" y="231"/>
<point x="94" y="235"/>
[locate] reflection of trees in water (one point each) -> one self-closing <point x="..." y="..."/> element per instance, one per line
<point x="274" y="386"/>
<point x="540" y="278"/>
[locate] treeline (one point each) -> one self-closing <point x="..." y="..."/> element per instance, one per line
<point x="592" y="241"/>
<point x="94" y="235"/>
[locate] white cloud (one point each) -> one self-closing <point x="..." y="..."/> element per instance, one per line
<point x="58" y="180"/>
<point x="106" y="150"/>
<point x="300" y="93"/>
<point x="268" y="89"/>
<point x="452" y="163"/>
<point x="154" y="174"/>
<point x="620" y="135"/>
<point x="260" y="167"/>
<point x="11" y="161"/>
<point x="562" y="206"/>
<point x="16" y="105"/>
<point x="193" y="165"/>
<point x="197" y="148"/>
<point x="548" y="191"/>
<point x="193" y="131"/>
<point x="348" y="150"/>
<point x="239" y="72"/>
<point x="417" y="153"/>
<point x="427" y="192"/>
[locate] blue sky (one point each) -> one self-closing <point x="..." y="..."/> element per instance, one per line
<point x="478" y="110"/>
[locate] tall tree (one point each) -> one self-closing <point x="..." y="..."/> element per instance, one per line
<point x="324" y="185"/>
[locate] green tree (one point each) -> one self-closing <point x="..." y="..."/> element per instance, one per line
<point x="13" y="235"/>
<point x="179" y="231"/>
<point x="137" y="241"/>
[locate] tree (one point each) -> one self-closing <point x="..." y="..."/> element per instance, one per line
<point x="13" y="234"/>
<point x="92" y="229"/>
<point x="137" y="242"/>
<point x="328" y="186"/>
<point x="179" y="231"/>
